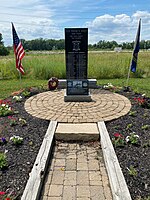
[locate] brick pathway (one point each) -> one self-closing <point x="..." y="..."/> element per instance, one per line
<point x="77" y="172"/>
<point x="105" y="106"/>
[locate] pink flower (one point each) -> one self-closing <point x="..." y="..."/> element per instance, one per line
<point x="2" y="193"/>
<point x="117" y="135"/>
<point x="9" y="117"/>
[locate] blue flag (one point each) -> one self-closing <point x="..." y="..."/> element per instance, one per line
<point x="136" y="49"/>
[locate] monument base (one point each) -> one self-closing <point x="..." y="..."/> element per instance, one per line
<point x="77" y="98"/>
<point x="63" y="83"/>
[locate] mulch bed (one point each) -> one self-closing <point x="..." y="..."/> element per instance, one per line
<point x="21" y="158"/>
<point x="134" y="155"/>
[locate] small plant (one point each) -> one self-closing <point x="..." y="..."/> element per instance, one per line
<point x="129" y="126"/>
<point x="3" y="140"/>
<point x="26" y="93"/>
<point x="146" y="144"/>
<point x="23" y="122"/>
<point x="147" y="198"/>
<point x="16" y="140"/>
<point x="5" y="108"/>
<point x="7" y="195"/>
<point x="17" y="98"/>
<point x="13" y="121"/>
<point x="132" y="113"/>
<point x="142" y="101"/>
<point x="109" y="86"/>
<point x="3" y="161"/>
<point x="145" y="114"/>
<point x="132" y="171"/>
<point x="118" y="140"/>
<point x="145" y="127"/>
<point x="132" y="138"/>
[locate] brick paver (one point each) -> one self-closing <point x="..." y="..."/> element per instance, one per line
<point x="104" y="106"/>
<point x="76" y="172"/>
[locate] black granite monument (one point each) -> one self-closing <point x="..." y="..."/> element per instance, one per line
<point x="76" y="52"/>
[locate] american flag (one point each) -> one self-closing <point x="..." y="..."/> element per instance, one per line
<point x="18" y="50"/>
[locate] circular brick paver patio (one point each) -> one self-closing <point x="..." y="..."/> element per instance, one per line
<point x="105" y="106"/>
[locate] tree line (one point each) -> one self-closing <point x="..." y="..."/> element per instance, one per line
<point x="43" y="44"/>
<point x="52" y="44"/>
<point x="102" y="44"/>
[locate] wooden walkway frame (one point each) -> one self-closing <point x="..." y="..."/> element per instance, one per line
<point x="117" y="181"/>
<point x="35" y="181"/>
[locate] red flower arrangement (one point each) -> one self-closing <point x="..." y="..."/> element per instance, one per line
<point x="53" y="83"/>
<point x="118" y="135"/>
<point x="7" y="102"/>
<point x="118" y="140"/>
<point x="5" y="196"/>
<point x="142" y="102"/>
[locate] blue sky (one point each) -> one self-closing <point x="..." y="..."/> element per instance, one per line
<point x="105" y="19"/>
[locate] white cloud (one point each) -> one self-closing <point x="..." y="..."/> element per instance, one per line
<point x="121" y="28"/>
<point x="47" y="19"/>
<point x="32" y="19"/>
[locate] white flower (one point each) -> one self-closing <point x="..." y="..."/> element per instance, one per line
<point x="11" y="138"/>
<point x="16" y="137"/>
<point x="17" y="98"/>
<point x="5" y="151"/>
<point x="127" y="139"/>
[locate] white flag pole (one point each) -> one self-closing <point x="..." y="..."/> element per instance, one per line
<point x="20" y="79"/>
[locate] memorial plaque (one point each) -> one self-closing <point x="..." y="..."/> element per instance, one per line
<point x="76" y="47"/>
<point x="77" y="87"/>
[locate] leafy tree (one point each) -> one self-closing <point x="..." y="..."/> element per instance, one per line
<point x="1" y="38"/>
<point x="3" y="50"/>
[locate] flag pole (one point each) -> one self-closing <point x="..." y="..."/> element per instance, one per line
<point x="127" y="84"/>
<point x="20" y="78"/>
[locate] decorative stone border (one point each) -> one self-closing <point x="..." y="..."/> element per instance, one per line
<point x="117" y="182"/>
<point x="35" y="181"/>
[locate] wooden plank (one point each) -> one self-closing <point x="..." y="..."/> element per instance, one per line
<point x="117" y="181"/>
<point x="34" y="184"/>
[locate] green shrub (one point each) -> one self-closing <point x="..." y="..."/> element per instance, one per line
<point x="3" y="161"/>
<point x="3" y="51"/>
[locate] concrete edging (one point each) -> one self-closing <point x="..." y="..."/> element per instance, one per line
<point x="118" y="184"/>
<point x="35" y="181"/>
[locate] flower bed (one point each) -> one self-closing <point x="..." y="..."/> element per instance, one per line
<point x="21" y="136"/>
<point x="130" y="136"/>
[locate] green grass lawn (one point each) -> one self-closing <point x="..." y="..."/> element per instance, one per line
<point x="8" y="86"/>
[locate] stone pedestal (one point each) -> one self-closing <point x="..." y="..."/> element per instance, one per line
<point x="77" y="98"/>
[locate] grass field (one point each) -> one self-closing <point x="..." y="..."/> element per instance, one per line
<point x="101" y="65"/>
<point x="106" y="67"/>
<point x="9" y="86"/>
